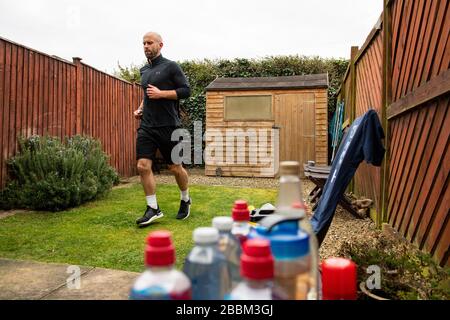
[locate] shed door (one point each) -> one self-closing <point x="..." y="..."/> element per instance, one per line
<point x="295" y="116"/>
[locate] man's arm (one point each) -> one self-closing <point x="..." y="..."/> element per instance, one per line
<point x="138" y="112"/>
<point x="154" y="93"/>
<point x="182" y="90"/>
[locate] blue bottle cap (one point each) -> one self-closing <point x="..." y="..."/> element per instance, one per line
<point x="287" y="227"/>
<point x="290" y="246"/>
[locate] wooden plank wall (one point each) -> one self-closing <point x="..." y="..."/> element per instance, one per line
<point x="418" y="186"/>
<point x="410" y="86"/>
<point x="308" y="141"/>
<point x="107" y="114"/>
<point x="215" y="121"/>
<point x="367" y="181"/>
<point x="418" y="202"/>
<point x="321" y="126"/>
<point x="347" y="97"/>
<point x="41" y="94"/>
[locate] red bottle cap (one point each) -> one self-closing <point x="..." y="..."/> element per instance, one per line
<point x="338" y="279"/>
<point x="257" y="260"/>
<point x="240" y="211"/>
<point x="159" y="250"/>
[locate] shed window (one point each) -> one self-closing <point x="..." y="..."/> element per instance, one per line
<point x="243" y="108"/>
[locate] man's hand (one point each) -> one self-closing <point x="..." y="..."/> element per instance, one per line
<point x="138" y="113"/>
<point x="153" y="92"/>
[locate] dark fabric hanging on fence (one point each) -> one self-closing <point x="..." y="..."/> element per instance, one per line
<point x="363" y="141"/>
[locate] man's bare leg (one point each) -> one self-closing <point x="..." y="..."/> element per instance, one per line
<point x="181" y="177"/>
<point x="152" y="213"/>
<point x="144" y="167"/>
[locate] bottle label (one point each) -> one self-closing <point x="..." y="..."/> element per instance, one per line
<point x="150" y="293"/>
<point x="159" y="293"/>
<point x="302" y="288"/>
<point x="185" y="295"/>
<point x="294" y="287"/>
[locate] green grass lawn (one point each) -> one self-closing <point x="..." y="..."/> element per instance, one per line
<point x="103" y="233"/>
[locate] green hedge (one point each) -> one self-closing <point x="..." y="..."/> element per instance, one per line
<point x="47" y="174"/>
<point x="201" y="72"/>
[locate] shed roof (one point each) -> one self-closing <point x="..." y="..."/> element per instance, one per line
<point x="262" y="83"/>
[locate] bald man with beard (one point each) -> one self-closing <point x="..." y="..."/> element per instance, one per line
<point x="164" y="84"/>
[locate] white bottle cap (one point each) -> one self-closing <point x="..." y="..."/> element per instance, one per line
<point x="222" y="223"/>
<point x="205" y="235"/>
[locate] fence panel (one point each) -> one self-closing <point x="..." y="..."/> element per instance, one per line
<point x="42" y="94"/>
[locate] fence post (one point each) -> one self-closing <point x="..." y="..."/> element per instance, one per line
<point x="386" y="101"/>
<point x="353" y="54"/>
<point x="79" y="88"/>
<point x="351" y="96"/>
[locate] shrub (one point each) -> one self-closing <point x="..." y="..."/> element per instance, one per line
<point x="406" y="272"/>
<point x="48" y="174"/>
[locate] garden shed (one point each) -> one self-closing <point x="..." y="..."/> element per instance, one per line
<point x="244" y="117"/>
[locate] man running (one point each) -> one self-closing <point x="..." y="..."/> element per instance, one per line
<point x="164" y="84"/>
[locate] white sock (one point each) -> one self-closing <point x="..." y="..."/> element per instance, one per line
<point x="185" y="195"/>
<point x="151" y="201"/>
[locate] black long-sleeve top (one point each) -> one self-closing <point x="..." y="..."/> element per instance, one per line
<point x="165" y="75"/>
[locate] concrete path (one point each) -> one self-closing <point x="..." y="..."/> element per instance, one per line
<point x="26" y="280"/>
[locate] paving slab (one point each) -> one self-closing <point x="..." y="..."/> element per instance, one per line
<point x="29" y="280"/>
<point x="98" y="284"/>
<point x="26" y="280"/>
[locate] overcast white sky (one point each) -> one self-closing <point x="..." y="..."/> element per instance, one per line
<point x="106" y="32"/>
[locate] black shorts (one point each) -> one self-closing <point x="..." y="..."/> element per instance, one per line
<point x="149" y="140"/>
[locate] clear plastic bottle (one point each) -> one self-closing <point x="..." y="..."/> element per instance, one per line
<point x="241" y="217"/>
<point x="257" y="270"/>
<point x="291" y="227"/>
<point x="206" y="266"/>
<point x="292" y="265"/>
<point x="299" y="210"/>
<point x="161" y="281"/>
<point x="229" y="245"/>
<point x="291" y="204"/>
<point x="290" y="189"/>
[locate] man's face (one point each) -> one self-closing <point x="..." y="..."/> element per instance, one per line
<point x="152" y="47"/>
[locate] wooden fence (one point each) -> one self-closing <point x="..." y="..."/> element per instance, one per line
<point x="42" y="94"/>
<point x="402" y="71"/>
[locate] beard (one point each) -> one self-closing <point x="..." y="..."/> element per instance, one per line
<point x="151" y="54"/>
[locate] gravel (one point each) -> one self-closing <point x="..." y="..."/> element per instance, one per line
<point x="197" y="176"/>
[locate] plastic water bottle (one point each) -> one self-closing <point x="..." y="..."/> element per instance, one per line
<point x="290" y="204"/>
<point x="299" y="210"/>
<point x="338" y="279"/>
<point x="230" y="247"/>
<point x="295" y="269"/>
<point x="206" y="266"/>
<point x="292" y="265"/>
<point x="290" y="189"/>
<point x="257" y="270"/>
<point x="241" y="218"/>
<point x="161" y="281"/>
